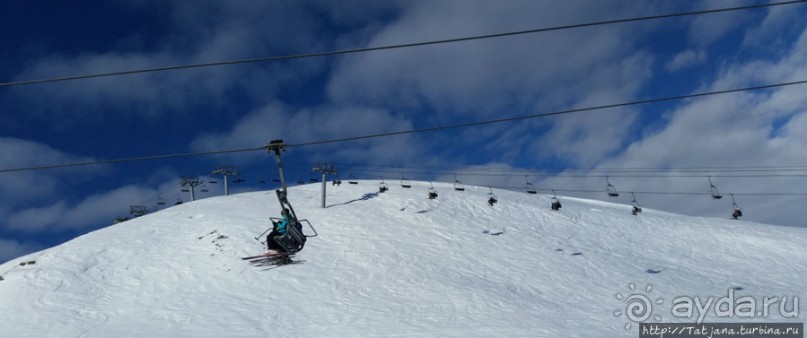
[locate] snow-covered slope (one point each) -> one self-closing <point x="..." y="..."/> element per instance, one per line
<point x="392" y="264"/>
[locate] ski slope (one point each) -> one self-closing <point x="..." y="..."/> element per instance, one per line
<point x="393" y="264"/>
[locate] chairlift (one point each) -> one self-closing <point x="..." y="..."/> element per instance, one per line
<point x="178" y="201"/>
<point x="405" y="183"/>
<point x="715" y="194"/>
<point x="213" y="182"/>
<point x="636" y="207"/>
<point x="239" y="180"/>
<point x="610" y="189"/>
<point x="432" y="191"/>
<point x="276" y="179"/>
<point x="204" y="188"/>
<point x="737" y="213"/>
<point x="554" y="202"/>
<point x="312" y="178"/>
<point x="160" y="201"/>
<point x="492" y="197"/>
<point x="185" y="189"/>
<point x="261" y="181"/>
<point x="530" y="187"/>
<point x="352" y="180"/>
<point x="382" y="187"/>
<point x="300" y="180"/>
<point x="457" y="184"/>
<point x="294" y="239"/>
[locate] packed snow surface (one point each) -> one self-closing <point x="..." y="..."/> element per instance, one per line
<point x="395" y="264"/>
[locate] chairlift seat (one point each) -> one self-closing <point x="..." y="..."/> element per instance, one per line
<point x="293" y="240"/>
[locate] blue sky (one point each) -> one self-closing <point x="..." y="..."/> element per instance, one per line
<point x="244" y="106"/>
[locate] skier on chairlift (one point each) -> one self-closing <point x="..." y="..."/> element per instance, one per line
<point x="737" y="213"/>
<point x="279" y="228"/>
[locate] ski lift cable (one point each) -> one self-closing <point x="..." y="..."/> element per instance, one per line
<point x="413" y="131"/>
<point x="397" y="46"/>
<point x="397" y="168"/>
<point x="637" y="192"/>
<point x="549" y="114"/>
<point x="564" y="175"/>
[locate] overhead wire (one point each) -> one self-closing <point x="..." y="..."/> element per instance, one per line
<point x="413" y="131"/>
<point x="398" y="46"/>
<point x="437" y="128"/>
<point x="555" y="113"/>
<point x="575" y="172"/>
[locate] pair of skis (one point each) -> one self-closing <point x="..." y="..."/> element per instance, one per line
<point x="272" y="260"/>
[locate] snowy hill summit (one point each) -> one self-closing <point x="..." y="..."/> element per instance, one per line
<point x="399" y="264"/>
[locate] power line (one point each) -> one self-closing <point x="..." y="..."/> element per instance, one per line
<point x="421" y="130"/>
<point x="396" y="46"/>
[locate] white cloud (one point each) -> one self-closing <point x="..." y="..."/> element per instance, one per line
<point x="706" y="29"/>
<point x="743" y="129"/>
<point x="276" y="120"/>
<point x="10" y="249"/>
<point x="96" y="210"/>
<point x="199" y="33"/>
<point x="685" y="59"/>
<point x="24" y="186"/>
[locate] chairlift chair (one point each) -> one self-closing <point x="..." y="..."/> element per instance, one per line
<point x="458" y="185"/>
<point x="204" y="188"/>
<point x="178" y="201"/>
<point x="312" y="178"/>
<point x="276" y="179"/>
<point x="239" y="180"/>
<point x="432" y="191"/>
<point x="160" y="201"/>
<point x="713" y="189"/>
<point x="737" y="213"/>
<point x="530" y="188"/>
<point x="492" y="197"/>
<point x="554" y="202"/>
<point x="352" y="180"/>
<point x="294" y="239"/>
<point x="213" y="182"/>
<point x="610" y="189"/>
<point x="261" y="181"/>
<point x="382" y="187"/>
<point x="636" y="207"/>
<point x="405" y="183"/>
<point x="184" y="189"/>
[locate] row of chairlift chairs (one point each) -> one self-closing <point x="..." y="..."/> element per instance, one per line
<point x="204" y="188"/>
<point x="555" y="204"/>
<point x="736" y="213"/>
